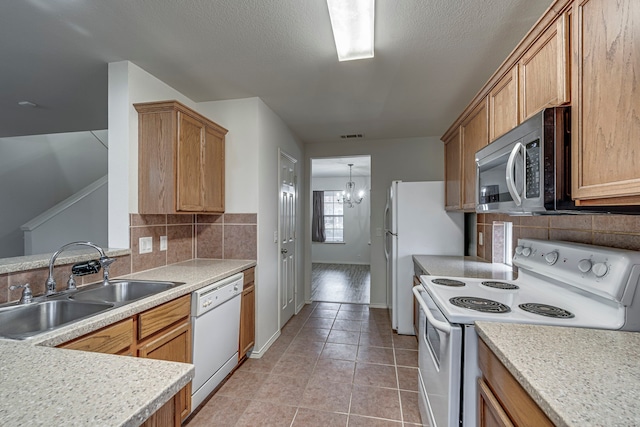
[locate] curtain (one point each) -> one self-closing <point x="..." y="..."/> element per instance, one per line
<point x="317" y="223"/>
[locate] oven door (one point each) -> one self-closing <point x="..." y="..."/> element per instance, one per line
<point x="439" y="362"/>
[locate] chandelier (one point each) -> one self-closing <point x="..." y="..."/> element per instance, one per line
<point x="351" y="196"/>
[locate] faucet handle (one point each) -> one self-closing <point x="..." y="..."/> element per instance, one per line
<point x="71" y="283"/>
<point x="27" y="295"/>
<point x="106" y="262"/>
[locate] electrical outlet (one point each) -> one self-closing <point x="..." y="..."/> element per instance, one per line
<point x="145" y="245"/>
<point x="163" y="243"/>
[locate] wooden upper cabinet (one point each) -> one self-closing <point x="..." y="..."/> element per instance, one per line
<point x="606" y="104"/>
<point x="474" y="133"/>
<point x="181" y="160"/>
<point x="544" y="69"/>
<point x="453" y="171"/>
<point x="503" y="105"/>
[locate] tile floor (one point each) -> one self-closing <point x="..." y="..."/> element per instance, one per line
<point x="334" y="365"/>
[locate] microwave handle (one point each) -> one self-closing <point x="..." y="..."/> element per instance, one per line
<point x="441" y="326"/>
<point x="511" y="183"/>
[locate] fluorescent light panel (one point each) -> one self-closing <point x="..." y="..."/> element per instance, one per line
<point x="352" y="23"/>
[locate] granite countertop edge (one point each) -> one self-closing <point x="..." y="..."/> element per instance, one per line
<point x="32" y="262"/>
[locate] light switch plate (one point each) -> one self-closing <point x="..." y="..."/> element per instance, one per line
<point x="480" y="239"/>
<point x="163" y="243"/>
<point x="145" y="245"/>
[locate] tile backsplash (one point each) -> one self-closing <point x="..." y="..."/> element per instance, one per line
<point x="226" y="236"/>
<point x="617" y="231"/>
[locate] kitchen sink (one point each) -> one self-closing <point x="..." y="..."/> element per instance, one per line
<point x="121" y="291"/>
<point x="22" y="322"/>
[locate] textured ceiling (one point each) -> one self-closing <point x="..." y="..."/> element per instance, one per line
<point x="431" y="57"/>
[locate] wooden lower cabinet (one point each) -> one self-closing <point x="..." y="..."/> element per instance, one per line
<point x="173" y="345"/>
<point x="247" y="314"/>
<point x="162" y="333"/>
<point x="502" y="400"/>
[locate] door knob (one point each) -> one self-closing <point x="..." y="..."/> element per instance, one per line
<point x="283" y="251"/>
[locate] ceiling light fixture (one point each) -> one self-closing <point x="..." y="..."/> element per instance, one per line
<point x="352" y="24"/>
<point x="351" y="196"/>
<point x="27" y="104"/>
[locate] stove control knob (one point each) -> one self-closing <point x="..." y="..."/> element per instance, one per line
<point x="518" y="250"/>
<point x="584" y="265"/>
<point x="526" y="251"/>
<point x="551" y="257"/>
<point x="600" y="269"/>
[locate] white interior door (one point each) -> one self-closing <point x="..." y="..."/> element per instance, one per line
<point x="287" y="266"/>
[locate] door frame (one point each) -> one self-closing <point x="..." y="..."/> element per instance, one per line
<point x="281" y="154"/>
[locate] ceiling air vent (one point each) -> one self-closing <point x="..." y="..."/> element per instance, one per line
<point x="352" y="136"/>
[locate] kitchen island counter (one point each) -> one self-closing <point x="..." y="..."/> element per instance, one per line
<point x="463" y="266"/>
<point x="577" y="376"/>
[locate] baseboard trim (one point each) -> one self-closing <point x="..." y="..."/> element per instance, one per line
<point x="259" y="353"/>
<point x="371" y="305"/>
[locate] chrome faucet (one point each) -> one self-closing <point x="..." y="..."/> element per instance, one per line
<point x="105" y="262"/>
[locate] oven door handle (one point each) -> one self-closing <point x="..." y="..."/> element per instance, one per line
<point x="510" y="178"/>
<point x="441" y="326"/>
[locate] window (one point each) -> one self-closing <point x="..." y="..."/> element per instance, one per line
<point x="333" y="217"/>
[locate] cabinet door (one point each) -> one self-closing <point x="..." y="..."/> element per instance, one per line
<point x="189" y="164"/>
<point x="213" y="171"/>
<point x="606" y="107"/>
<point x="173" y="345"/>
<point x="544" y="70"/>
<point x="475" y="135"/>
<point x="490" y="413"/>
<point x="453" y="172"/>
<point x="247" y="320"/>
<point x="503" y="105"/>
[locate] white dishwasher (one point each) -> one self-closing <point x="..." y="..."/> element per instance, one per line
<point x="215" y="320"/>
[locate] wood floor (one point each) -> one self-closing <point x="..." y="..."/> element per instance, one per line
<point x="344" y="283"/>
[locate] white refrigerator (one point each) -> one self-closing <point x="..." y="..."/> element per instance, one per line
<point x="415" y="224"/>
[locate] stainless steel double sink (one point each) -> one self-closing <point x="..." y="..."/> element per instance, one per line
<point x="23" y="321"/>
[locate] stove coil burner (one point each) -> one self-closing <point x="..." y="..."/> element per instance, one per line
<point x="546" y="310"/>
<point x="447" y="282"/>
<point x="480" y="304"/>
<point x="501" y="285"/>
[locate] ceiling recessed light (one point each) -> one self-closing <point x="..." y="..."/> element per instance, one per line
<point x="352" y="22"/>
<point x="27" y="104"/>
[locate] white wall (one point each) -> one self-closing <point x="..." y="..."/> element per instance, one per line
<point x="37" y="172"/>
<point x="128" y="84"/>
<point x="251" y="177"/>
<point x="408" y="159"/>
<point x="274" y="136"/>
<point x="84" y="220"/>
<point x="356" y="248"/>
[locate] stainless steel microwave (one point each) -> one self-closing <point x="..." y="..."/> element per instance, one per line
<point x="528" y="170"/>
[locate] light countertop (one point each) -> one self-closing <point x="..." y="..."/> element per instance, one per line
<point x="463" y="266"/>
<point x="54" y="387"/>
<point x="579" y="377"/>
<point x="44" y="386"/>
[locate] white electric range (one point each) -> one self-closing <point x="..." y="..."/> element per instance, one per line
<point x="559" y="283"/>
